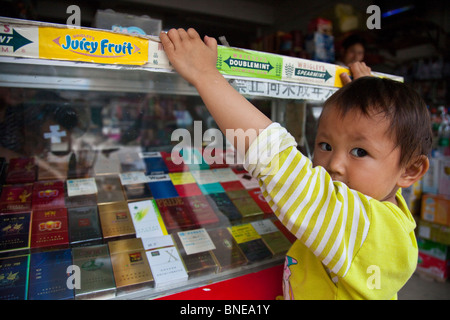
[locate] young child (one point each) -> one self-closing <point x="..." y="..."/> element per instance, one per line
<point x="355" y="233"/>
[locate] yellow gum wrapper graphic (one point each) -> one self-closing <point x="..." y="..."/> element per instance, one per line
<point x="91" y="46"/>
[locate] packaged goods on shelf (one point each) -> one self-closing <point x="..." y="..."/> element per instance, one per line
<point x="165" y="261"/>
<point x="96" y="272"/>
<point x="436" y="208"/>
<point x="433" y="231"/>
<point x="434" y="259"/>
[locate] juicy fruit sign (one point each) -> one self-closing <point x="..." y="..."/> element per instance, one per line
<point x="249" y="63"/>
<point x="95" y="46"/>
<point x="72" y="44"/>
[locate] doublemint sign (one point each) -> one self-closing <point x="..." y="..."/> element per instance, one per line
<point x="255" y="65"/>
<point x="313" y="74"/>
<point x="249" y="63"/>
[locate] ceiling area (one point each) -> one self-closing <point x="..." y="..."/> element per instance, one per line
<point x="243" y="21"/>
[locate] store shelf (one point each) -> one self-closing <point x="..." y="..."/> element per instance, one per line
<point x="64" y="75"/>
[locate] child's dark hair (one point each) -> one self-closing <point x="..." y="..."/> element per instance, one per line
<point x="409" y="118"/>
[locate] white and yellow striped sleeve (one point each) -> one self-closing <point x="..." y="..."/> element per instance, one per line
<point x="328" y="217"/>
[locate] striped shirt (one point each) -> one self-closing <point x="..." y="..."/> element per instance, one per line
<point x="330" y="220"/>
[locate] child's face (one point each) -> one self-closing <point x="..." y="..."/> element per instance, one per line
<point x="358" y="151"/>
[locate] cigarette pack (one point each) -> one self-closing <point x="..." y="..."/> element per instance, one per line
<point x="147" y="219"/>
<point x="15" y="231"/>
<point x="48" y="195"/>
<point x="176" y="214"/>
<point x="193" y="159"/>
<point x="207" y="181"/>
<point x="14" y="272"/>
<point x="248" y="208"/>
<point x="185" y="184"/>
<point x="250" y="242"/>
<point x="16" y="198"/>
<point x="48" y="275"/>
<point x="161" y="186"/>
<point x="274" y="239"/>
<point x="165" y="261"/>
<point x="130" y="265"/>
<point x="257" y="195"/>
<point x="81" y="201"/>
<point x="49" y="229"/>
<point x="84" y="226"/>
<point x="174" y="164"/>
<point x="232" y="185"/>
<point x="197" y="264"/>
<point x="285" y="231"/>
<point x="227" y="252"/>
<point x="115" y="220"/>
<point x="223" y="205"/>
<point x="81" y="187"/>
<point x="109" y="189"/>
<point x="21" y="170"/>
<point x="97" y="276"/>
<point x="201" y="211"/>
<point x="154" y="163"/>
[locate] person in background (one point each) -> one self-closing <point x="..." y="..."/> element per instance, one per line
<point x="352" y="56"/>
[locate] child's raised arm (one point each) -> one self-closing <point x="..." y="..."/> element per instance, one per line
<point x="195" y="60"/>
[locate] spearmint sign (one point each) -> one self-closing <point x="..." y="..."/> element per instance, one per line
<point x="249" y="63"/>
<point x="311" y="72"/>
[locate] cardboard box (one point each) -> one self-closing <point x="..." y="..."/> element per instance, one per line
<point x="434" y="232"/>
<point x="436" y="208"/>
<point x="433" y="267"/>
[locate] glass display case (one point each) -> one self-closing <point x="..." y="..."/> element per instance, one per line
<point x="97" y="201"/>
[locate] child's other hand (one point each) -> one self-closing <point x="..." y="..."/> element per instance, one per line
<point x="358" y="70"/>
<point x="191" y="57"/>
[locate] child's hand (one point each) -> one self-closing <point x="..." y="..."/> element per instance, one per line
<point x="192" y="58"/>
<point x="358" y="70"/>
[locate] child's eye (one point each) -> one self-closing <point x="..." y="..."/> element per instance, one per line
<point x="358" y="152"/>
<point x="324" y="146"/>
